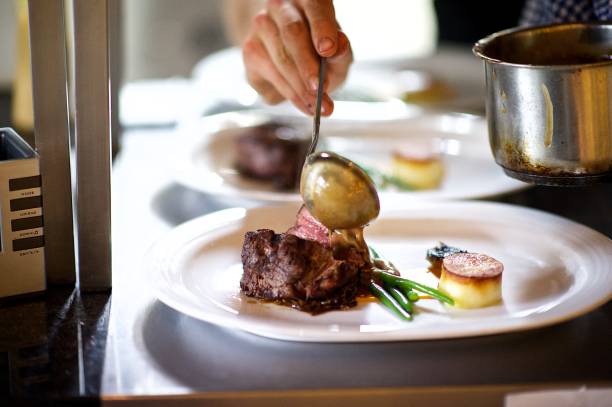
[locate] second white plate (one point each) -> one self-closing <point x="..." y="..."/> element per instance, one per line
<point x="207" y="154"/>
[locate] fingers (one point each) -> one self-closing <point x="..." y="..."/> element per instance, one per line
<point x="265" y="78"/>
<point x="267" y="90"/>
<point x="323" y="26"/>
<point x="281" y="53"/>
<point x="295" y="38"/>
<point x="270" y="36"/>
<point x="327" y="105"/>
<point x="337" y="69"/>
<point x="339" y="64"/>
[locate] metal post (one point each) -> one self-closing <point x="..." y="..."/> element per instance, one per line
<point x="115" y="49"/>
<point x="93" y="143"/>
<point x="51" y="128"/>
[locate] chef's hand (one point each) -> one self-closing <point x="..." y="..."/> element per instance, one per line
<point x="281" y="52"/>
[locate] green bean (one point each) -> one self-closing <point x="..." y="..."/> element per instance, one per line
<point x="397" y="182"/>
<point x="400" y="298"/>
<point x="413" y="296"/>
<point x="383" y="180"/>
<point x="406" y="285"/>
<point x="400" y="282"/>
<point x="389" y="301"/>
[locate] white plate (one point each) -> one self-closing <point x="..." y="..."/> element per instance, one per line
<point x="555" y="270"/>
<point x="206" y="157"/>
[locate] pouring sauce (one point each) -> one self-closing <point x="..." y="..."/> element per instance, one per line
<point x="342" y="197"/>
<point x="337" y="192"/>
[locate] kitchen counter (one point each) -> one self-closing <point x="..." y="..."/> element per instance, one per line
<point x="52" y="345"/>
<point x="67" y="345"/>
<point x="156" y="353"/>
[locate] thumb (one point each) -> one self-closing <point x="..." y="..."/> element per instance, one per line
<point x="323" y="27"/>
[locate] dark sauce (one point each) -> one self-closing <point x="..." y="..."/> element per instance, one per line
<point x="345" y="299"/>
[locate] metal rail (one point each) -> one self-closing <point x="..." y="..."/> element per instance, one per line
<point x="51" y="128"/>
<point x="93" y="143"/>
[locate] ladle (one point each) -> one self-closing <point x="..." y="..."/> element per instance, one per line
<point x="337" y="192"/>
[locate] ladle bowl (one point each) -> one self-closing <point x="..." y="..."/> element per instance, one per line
<point x="337" y="192"/>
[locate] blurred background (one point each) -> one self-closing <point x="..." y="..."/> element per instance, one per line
<point x="165" y="39"/>
<point x="164" y="46"/>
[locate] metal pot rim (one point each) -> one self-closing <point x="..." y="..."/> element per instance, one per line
<point x="479" y="47"/>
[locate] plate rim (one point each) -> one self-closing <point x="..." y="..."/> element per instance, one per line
<point x="539" y="321"/>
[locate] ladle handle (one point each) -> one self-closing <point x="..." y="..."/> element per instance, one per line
<point x="317" y="113"/>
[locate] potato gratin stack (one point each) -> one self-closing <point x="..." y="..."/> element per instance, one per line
<point x="473" y="280"/>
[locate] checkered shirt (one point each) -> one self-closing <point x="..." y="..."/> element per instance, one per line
<point x="538" y="12"/>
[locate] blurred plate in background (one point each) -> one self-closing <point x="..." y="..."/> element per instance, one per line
<point x="449" y="80"/>
<point x="207" y="153"/>
<point x="452" y="80"/>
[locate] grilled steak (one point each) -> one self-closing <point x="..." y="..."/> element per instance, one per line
<point x="301" y="273"/>
<point x="307" y="227"/>
<point x="271" y="152"/>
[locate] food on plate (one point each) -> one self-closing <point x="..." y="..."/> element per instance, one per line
<point x="323" y="262"/>
<point x="418" y="165"/>
<point x="436" y="255"/>
<point x="394" y="299"/>
<point x="420" y="87"/>
<point x="399" y="293"/>
<point x="472" y="279"/>
<point x="338" y="193"/>
<point x="271" y="152"/>
<point x="307" y="227"/>
<point x="313" y="269"/>
<point x="299" y="268"/>
<point x="383" y="180"/>
<point x="432" y="92"/>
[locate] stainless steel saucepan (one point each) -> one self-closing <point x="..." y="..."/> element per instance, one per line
<point x="549" y="104"/>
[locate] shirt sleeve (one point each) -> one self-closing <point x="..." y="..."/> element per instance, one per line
<point x="603" y="9"/>
<point x="539" y="12"/>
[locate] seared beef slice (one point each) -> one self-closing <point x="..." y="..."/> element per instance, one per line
<point x="303" y="273"/>
<point x="271" y="152"/>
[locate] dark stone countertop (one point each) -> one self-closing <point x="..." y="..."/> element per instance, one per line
<point x="52" y="345"/>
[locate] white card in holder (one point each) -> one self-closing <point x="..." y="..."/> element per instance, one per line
<point x="21" y="230"/>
